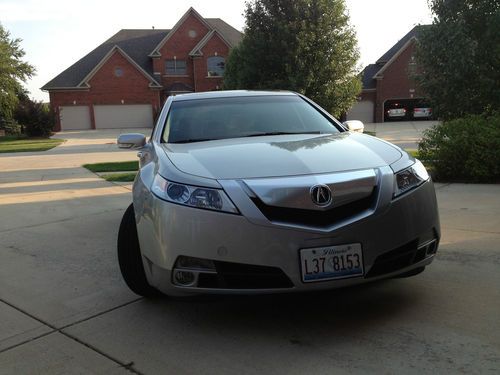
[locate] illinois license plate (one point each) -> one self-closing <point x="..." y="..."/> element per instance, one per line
<point x="332" y="262"/>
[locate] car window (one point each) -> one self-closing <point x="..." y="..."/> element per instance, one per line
<point x="220" y="118"/>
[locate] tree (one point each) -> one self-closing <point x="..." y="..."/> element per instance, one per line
<point x="12" y="70"/>
<point x="459" y="57"/>
<point x="306" y="46"/>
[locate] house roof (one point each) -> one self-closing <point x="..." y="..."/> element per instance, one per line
<point x="137" y="44"/>
<point x="229" y="33"/>
<point x="367" y="76"/>
<point x="370" y="71"/>
<point x="413" y="33"/>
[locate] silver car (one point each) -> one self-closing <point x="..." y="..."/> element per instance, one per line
<point x="260" y="192"/>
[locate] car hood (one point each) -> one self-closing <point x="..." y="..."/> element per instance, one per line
<point x="283" y="155"/>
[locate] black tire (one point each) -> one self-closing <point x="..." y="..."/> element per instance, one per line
<point x="129" y="256"/>
<point x="411" y="273"/>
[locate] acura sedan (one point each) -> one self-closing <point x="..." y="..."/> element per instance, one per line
<point x="264" y="192"/>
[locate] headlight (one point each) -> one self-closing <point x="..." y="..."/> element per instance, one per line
<point x="193" y="196"/>
<point x="410" y="178"/>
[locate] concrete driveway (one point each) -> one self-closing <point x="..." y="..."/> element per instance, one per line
<point x="65" y="309"/>
<point x="405" y="134"/>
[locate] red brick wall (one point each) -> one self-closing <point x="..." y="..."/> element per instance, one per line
<point x="396" y="83"/>
<point x="179" y="45"/>
<point x="215" y="46"/>
<point x="106" y="88"/>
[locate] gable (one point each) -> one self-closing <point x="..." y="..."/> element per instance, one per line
<point x="409" y="44"/>
<point x="107" y="75"/>
<point x="213" y="41"/>
<point x="128" y="62"/>
<point x="135" y="43"/>
<point x="184" y="36"/>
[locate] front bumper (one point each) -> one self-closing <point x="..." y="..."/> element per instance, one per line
<point x="167" y="231"/>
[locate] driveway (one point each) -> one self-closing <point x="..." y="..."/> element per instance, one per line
<point x="405" y="134"/>
<point x="65" y="309"/>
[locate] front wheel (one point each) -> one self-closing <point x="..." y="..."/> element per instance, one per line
<point x="129" y="256"/>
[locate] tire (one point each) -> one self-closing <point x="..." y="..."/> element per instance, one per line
<point x="130" y="258"/>
<point x="411" y="273"/>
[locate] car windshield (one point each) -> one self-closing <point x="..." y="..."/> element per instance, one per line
<point x="220" y="118"/>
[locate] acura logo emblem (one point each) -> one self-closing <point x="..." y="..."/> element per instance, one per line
<point x="321" y="195"/>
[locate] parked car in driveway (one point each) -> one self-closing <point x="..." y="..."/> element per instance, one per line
<point x="260" y="192"/>
<point x="396" y="111"/>
<point x="422" y="112"/>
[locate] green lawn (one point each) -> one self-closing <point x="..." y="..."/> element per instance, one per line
<point x="120" y="177"/>
<point x="12" y="143"/>
<point x="370" y="133"/>
<point x="120" y="166"/>
<point x="129" y="169"/>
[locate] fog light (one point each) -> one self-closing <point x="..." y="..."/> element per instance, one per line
<point x="185" y="278"/>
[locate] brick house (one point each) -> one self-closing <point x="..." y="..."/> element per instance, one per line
<point x="389" y="81"/>
<point x="124" y="81"/>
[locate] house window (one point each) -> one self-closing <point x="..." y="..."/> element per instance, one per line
<point x="215" y="66"/>
<point x="175" y="67"/>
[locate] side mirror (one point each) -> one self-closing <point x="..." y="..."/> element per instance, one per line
<point x="131" y="140"/>
<point x="355" y="126"/>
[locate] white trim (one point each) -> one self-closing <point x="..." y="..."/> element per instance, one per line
<point x="84" y="82"/>
<point x="394" y="57"/>
<point x="191" y="10"/>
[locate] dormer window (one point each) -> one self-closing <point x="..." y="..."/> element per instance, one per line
<point x="215" y="66"/>
<point x="175" y="67"/>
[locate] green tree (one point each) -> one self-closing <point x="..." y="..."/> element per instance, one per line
<point x="307" y="46"/>
<point x="13" y="71"/>
<point x="459" y="57"/>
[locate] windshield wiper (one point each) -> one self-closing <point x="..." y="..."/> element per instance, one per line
<point x="279" y="133"/>
<point x="194" y="140"/>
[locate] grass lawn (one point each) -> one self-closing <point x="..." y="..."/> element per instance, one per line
<point x="370" y="133"/>
<point x="14" y="143"/>
<point x="129" y="169"/>
<point x="120" y="177"/>
<point x="120" y="166"/>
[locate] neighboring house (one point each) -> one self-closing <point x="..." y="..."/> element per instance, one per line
<point x="124" y="81"/>
<point x="389" y="81"/>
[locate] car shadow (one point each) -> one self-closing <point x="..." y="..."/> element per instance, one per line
<point x="339" y="312"/>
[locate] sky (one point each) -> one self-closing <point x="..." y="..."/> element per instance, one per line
<point x="57" y="33"/>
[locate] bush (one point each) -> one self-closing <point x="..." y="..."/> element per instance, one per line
<point x="465" y="149"/>
<point x="36" y="117"/>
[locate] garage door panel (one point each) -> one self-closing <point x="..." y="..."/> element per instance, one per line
<point x="362" y="110"/>
<point x="123" y="116"/>
<point x="75" y="117"/>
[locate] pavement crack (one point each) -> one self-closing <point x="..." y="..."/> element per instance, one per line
<point x="61" y="220"/>
<point x="126" y="365"/>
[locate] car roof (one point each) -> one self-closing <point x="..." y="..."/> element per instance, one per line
<point x="230" y="94"/>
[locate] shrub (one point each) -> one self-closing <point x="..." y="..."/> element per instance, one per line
<point x="36" y="117"/>
<point x="465" y="149"/>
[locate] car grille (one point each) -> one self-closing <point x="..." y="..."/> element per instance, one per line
<point x="244" y="276"/>
<point x="312" y="218"/>
<point x="401" y="257"/>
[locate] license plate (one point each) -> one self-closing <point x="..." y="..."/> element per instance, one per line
<point x="332" y="262"/>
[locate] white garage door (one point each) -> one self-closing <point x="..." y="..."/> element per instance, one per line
<point x="123" y="116"/>
<point x="74" y="117"/>
<point x="362" y="111"/>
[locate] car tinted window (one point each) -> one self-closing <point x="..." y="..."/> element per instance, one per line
<point x="207" y="119"/>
